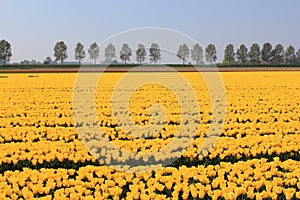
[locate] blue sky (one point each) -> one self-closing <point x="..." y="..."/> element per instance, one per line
<point x="34" y="26"/>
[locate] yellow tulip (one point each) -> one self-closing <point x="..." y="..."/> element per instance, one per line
<point x="34" y="162"/>
<point x="298" y="195"/>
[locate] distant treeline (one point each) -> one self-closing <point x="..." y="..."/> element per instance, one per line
<point x="77" y="66"/>
<point x="242" y="56"/>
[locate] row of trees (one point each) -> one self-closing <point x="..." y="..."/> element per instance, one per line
<point x="60" y="52"/>
<point x="243" y="55"/>
<point x="197" y="53"/>
<point x="266" y="55"/>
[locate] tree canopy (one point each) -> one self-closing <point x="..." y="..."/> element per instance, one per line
<point x="254" y="54"/>
<point x="229" y="54"/>
<point x="266" y="52"/>
<point x="210" y="54"/>
<point x="5" y="52"/>
<point x="242" y="54"/>
<point x="60" y="51"/>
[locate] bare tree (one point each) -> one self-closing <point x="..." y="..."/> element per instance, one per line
<point x="79" y="52"/>
<point x="125" y="53"/>
<point x="154" y="53"/>
<point x="94" y="51"/>
<point x="110" y="52"/>
<point x="183" y="52"/>
<point x="197" y="53"/>
<point x="140" y="53"/>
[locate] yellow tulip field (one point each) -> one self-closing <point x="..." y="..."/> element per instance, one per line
<point x="256" y="155"/>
